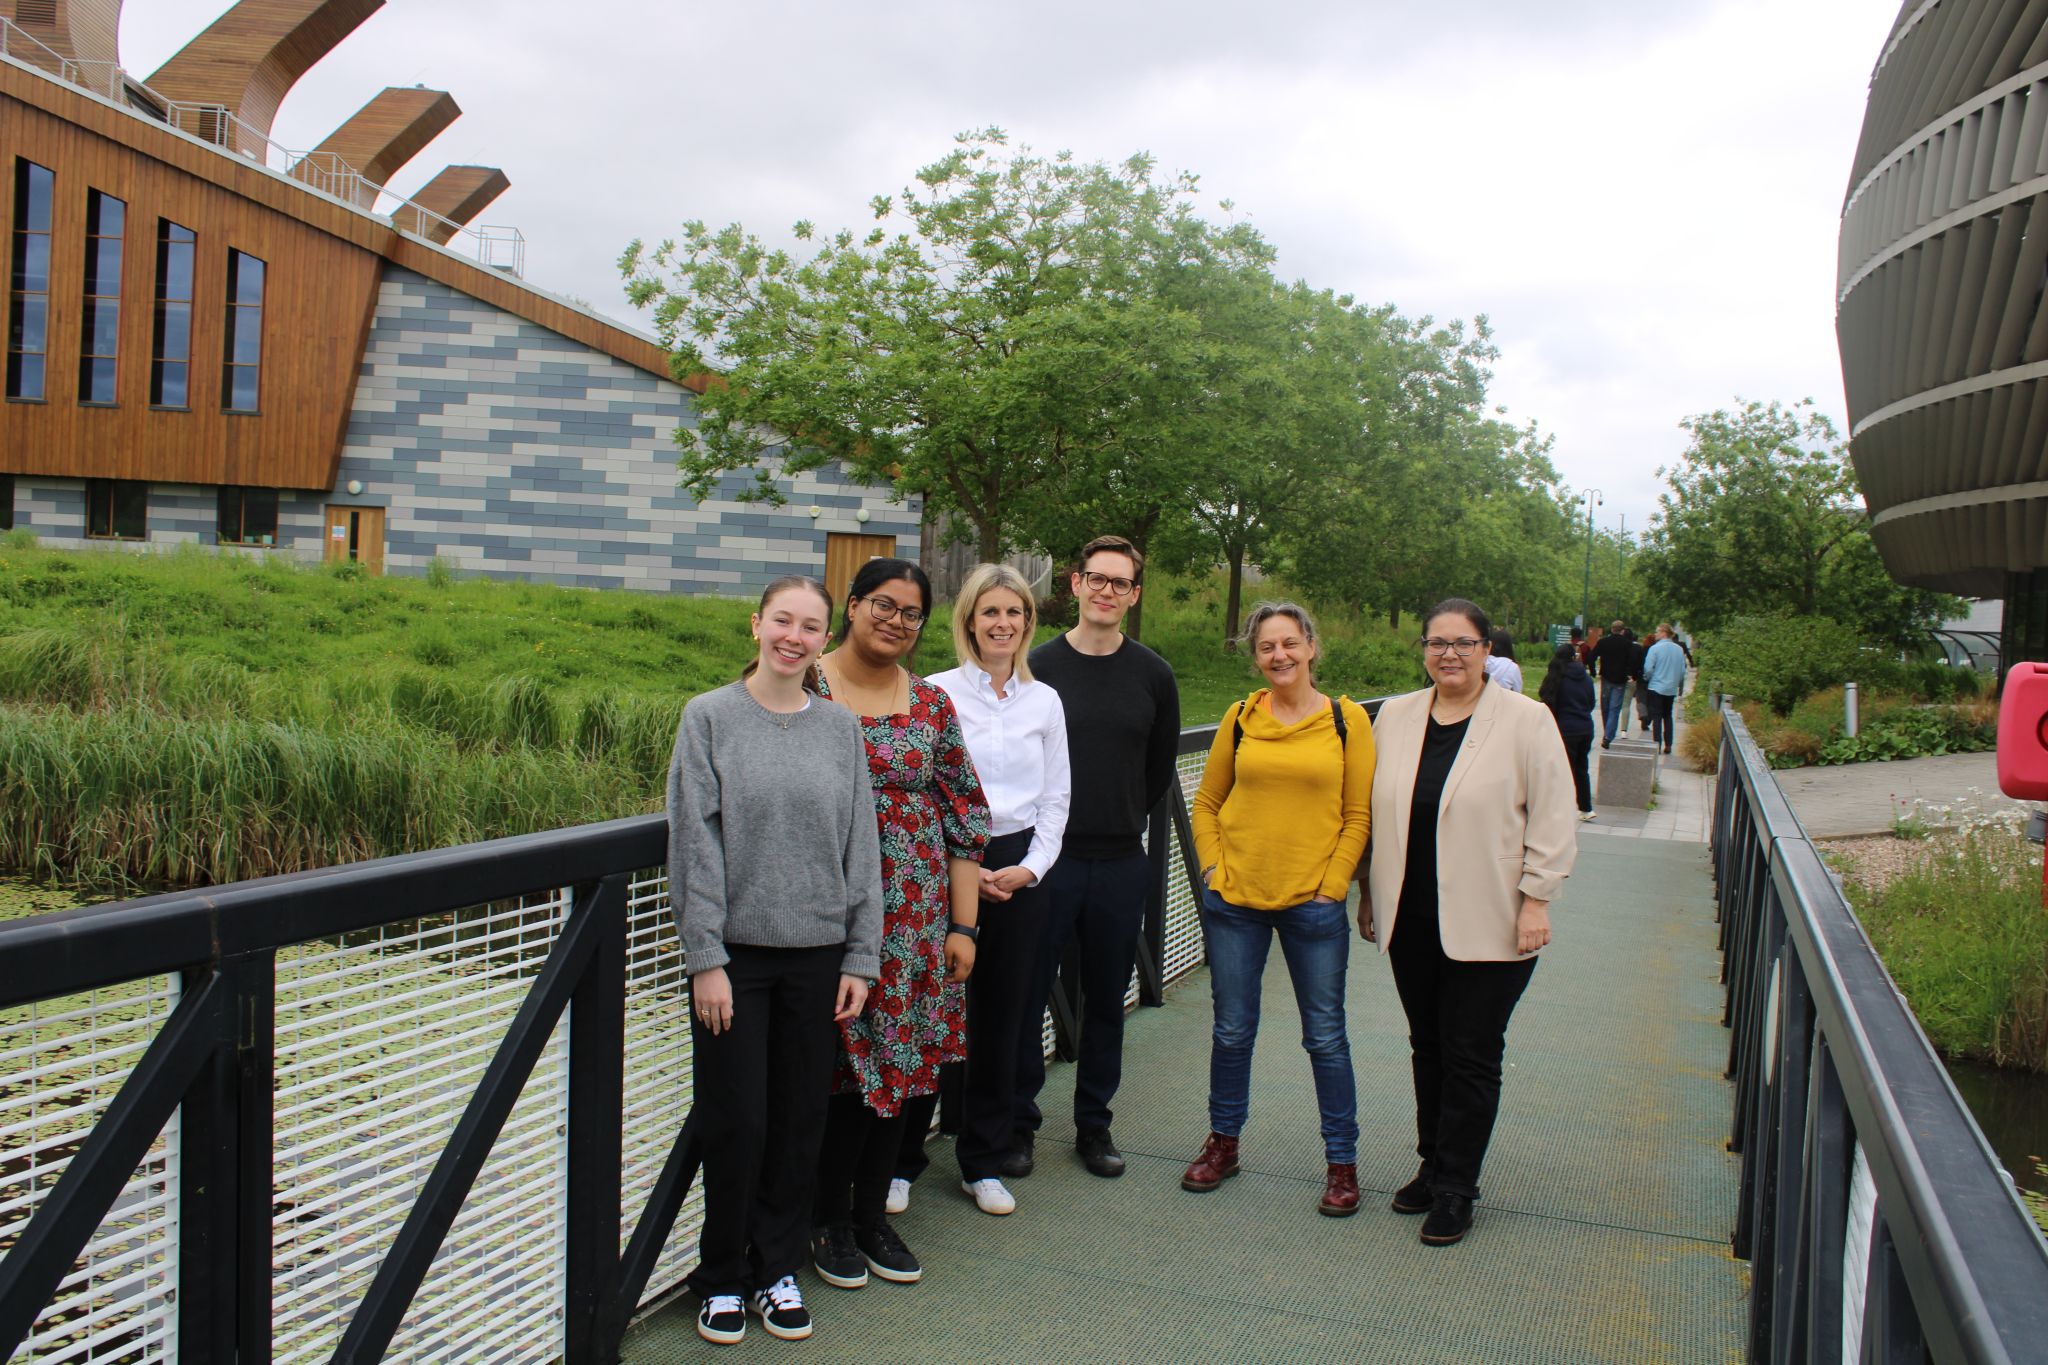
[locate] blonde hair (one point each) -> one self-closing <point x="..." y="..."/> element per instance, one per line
<point x="979" y="583"/>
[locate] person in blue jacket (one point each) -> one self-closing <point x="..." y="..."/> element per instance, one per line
<point x="1568" y="691"/>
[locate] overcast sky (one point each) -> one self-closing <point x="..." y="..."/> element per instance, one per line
<point x="1642" y="195"/>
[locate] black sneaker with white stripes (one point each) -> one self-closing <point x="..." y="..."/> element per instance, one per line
<point x="781" y="1309"/>
<point x="723" y="1319"/>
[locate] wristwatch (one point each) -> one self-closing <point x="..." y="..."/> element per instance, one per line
<point x="971" y="932"/>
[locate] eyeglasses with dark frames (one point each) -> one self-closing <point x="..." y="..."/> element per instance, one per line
<point x="1462" y="646"/>
<point x="882" y="609"/>
<point x="1118" y="587"/>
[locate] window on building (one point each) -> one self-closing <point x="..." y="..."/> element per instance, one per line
<point x="242" y="359"/>
<point x="100" y="335"/>
<point x="28" y="309"/>
<point x="170" y="368"/>
<point x="6" y="502"/>
<point x="248" y="516"/>
<point x="116" y="509"/>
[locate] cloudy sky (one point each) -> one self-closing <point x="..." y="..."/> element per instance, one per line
<point x="1642" y="196"/>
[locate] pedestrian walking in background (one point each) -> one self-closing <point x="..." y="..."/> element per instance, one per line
<point x="1664" y="676"/>
<point x="933" y="824"/>
<point x="1474" y="839"/>
<point x="1280" y="824"/>
<point x="1500" y="663"/>
<point x="775" y="878"/>
<point x="1614" y="664"/>
<point x="1637" y="649"/>
<point x="1568" y="692"/>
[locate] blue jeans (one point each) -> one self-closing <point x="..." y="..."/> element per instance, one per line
<point x="1316" y="941"/>
<point x="1614" y="708"/>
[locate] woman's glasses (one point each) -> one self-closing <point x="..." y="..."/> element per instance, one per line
<point x="882" y="609"/>
<point x="1462" y="646"/>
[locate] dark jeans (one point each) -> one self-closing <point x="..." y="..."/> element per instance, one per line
<point x="1614" y="708"/>
<point x="1661" y="726"/>
<point x="1099" y="904"/>
<point x="1577" y="748"/>
<point x="856" y="1162"/>
<point x="761" y="1087"/>
<point x="1315" y="938"/>
<point x="1457" y="1027"/>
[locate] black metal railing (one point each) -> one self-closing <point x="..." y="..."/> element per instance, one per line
<point x="1877" y="1222"/>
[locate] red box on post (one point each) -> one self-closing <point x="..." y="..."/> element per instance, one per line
<point x="2023" y="733"/>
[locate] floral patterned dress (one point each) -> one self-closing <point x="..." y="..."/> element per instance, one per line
<point x="929" y="806"/>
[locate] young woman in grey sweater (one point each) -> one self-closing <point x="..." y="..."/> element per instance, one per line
<point x="775" y="878"/>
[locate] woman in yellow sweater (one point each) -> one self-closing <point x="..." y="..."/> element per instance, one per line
<point x="1280" y="824"/>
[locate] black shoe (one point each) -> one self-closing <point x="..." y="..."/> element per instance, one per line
<point x="1607" y="744"/>
<point x="1019" y="1163"/>
<point x="1099" y="1154"/>
<point x="781" y="1309"/>
<point x="837" y="1258"/>
<point x="887" y="1256"/>
<point x="1450" y="1218"/>
<point x="1416" y="1196"/>
<point x="722" y="1319"/>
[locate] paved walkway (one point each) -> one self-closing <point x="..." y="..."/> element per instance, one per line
<point x="1865" y="798"/>
<point x="1603" y="1235"/>
<point x="1684" y="809"/>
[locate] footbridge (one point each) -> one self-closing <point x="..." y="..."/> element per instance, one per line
<point x="434" y="1108"/>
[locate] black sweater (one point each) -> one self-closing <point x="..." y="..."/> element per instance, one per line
<point x="1612" y="658"/>
<point x="1571" y="701"/>
<point x="1123" y="731"/>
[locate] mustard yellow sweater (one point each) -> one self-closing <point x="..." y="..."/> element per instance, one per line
<point x="1284" y="817"/>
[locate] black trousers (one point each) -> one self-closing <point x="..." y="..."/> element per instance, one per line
<point x="1457" y="1028"/>
<point x="761" y="1088"/>
<point x="1577" y="747"/>
<point x="1661" y="726"/>
<point x="1099" y="904"/>
<point x="857" y="1161"/>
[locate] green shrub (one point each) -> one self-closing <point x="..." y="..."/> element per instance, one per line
<point x="439" y="573"/>
<point x="527" y="714"/>
<point x="1912" y="733"/>
<point x="19" y="538"/>
<point x="1780" y="660"/>
<point x="435" y="650"/>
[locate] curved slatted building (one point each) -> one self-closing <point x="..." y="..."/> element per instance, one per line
<point x="1941" y="310"/>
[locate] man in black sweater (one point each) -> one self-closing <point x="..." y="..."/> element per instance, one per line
<point x="1123" y="732"/>
<point x="1613" y="663"/>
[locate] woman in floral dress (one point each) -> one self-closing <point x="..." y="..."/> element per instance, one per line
<point x="934" y="823"/>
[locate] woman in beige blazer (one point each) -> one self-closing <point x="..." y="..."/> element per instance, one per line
<point x="1474" y="832"/>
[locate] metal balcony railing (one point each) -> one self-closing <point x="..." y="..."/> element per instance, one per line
<point x="1878" y="1225"/>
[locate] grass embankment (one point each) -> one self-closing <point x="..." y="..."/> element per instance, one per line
<point x="191" y="718"/>
<point x="1892" y="724"/>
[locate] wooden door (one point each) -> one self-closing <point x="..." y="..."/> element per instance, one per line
<point x="845" y="553"/>
<point x="355" y="533"/>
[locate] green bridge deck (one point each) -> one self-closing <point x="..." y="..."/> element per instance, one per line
<point x="1602" y="1236"/>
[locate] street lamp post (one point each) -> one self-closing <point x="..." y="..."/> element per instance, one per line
<point x="1593" y="498"/>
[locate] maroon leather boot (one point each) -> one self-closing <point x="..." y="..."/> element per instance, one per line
<point x="1216" y="1164"/>
<point x="1340" y="1191"/>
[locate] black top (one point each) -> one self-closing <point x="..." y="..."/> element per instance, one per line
<point x="1417" y="910"/>
<point x="1612" y="657"/>
<point x="1636" y="652"/>
<point x="1123" y="732"/>
<point x="1572" y="702"/>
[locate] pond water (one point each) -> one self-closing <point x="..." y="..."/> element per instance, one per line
<point x="2012" y="1109"/>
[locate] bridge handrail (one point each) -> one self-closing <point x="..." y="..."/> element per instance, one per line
<point x="1843" y="1111"/>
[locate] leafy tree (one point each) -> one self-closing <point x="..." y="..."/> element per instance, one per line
<point x="1013" y="353"/>
<point x="1762" y="516"/>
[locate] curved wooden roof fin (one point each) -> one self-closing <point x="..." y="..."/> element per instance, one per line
<point x="83" y="30"/>
<point x="382" y="136"/>
<point x="458" y="194"/>
<point x="250" y="57"/>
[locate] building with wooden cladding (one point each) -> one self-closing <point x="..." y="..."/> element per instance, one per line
<point x="213" y="340"/>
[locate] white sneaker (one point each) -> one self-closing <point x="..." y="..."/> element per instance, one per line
<point x="1585" y="815"/>
<point x="990" y="1196"/>
<point x="899" y="1196"/>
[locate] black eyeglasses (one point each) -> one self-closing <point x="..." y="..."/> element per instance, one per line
<point x="1119" y="587"/>
<point x="885" y="610"/>
<point x="1462" y="646"/>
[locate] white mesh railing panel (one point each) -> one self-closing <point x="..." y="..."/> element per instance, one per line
<point x="61" y="1063"/>
<point x="657" y="1075"/>
<point x="382" y="1038"/>
<point x="1184" y="946"/>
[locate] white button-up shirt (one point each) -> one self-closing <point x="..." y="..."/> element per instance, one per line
<point x="1019" y="746"/>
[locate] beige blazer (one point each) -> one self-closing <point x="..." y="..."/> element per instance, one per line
<point x="1507" y="826"/>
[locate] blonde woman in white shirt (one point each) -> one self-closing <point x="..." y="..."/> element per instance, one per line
<point x="1016" y="734"/>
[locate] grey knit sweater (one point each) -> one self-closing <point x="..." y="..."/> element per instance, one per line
<point x="771" y="832"/>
